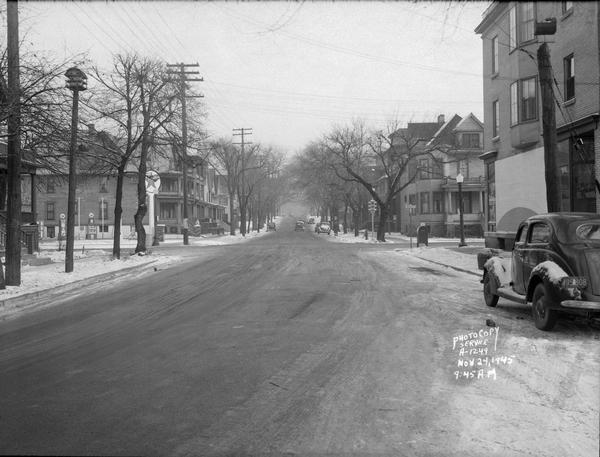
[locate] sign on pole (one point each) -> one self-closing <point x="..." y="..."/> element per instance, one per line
<point x="152" y="182"/>
<point x="152" y="187"/>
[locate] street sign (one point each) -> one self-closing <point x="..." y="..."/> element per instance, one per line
<point x="152" y="182"/>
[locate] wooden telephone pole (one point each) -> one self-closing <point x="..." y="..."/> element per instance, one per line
<point x="549" y="129"/>
<point x="242" y="132"/>
<point x="183" y="80"/>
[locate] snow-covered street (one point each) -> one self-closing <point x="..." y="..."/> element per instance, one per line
<point x="294" y="343"/>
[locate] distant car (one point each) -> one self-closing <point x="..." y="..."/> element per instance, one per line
<point x="271" y="227"/>
<point x="299" y="226"/>
<point x="555" y="266"/>
<point x="324" y="227"/>
<point x="311" y="220"/>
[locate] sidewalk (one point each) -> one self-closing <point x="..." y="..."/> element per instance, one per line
<point x="459" y="259"/>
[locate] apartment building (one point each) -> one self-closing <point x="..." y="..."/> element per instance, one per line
<point x="513" y="144"/>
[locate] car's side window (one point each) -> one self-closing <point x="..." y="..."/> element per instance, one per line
<point x="540" y="233"/>
<point x="520" y="238"/>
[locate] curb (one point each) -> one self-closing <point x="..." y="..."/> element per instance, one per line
<point x="28" y="301"/>
<point x="462" y="270"/>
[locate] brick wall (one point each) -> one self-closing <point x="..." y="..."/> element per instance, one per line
<point x="89" y="192"/>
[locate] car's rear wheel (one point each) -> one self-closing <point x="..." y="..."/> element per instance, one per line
<point x="490" y="298"/>
<point x="543" y="316"/>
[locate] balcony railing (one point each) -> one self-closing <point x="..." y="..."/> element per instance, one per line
<point x="467" y="181"/>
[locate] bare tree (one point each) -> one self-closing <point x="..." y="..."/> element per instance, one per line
<point x="378" y="160"/>
<point x="36" y="108"/>
<point x="227" y="160"/>
<point x="133" y="100"/>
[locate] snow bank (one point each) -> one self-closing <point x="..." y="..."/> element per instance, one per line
<point x="85" y="265"/>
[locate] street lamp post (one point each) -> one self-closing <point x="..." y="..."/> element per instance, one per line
<point x="459" y="179"/>
<point x="76" y="81"/>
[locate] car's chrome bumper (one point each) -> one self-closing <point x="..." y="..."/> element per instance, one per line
<point x="581" y="304"/>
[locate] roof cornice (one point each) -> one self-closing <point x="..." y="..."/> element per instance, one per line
<point x="490" y="15"/>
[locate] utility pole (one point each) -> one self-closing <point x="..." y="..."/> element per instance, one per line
<point x="183" y="80"/>
<point x="13" y="162"/>
<point x="544" y="28"/>
<point x="242" y="132"/>
<point x="549" y="129"/>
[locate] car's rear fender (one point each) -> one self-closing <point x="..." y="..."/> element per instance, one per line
<point x="549" y="274"/>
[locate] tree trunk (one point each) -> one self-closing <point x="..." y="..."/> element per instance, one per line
<point x="383" y="214"/>
<point x="231" y="216"/>
<point x="118" y="212"/>
<point x="242" y="218"/>
<point x="142" y="199"/>
<point x="345" y="218"/>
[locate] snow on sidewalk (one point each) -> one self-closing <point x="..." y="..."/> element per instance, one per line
<point x="444" y="256"/>
<point x="85" y="265"/>
<point x="93" y="258"/>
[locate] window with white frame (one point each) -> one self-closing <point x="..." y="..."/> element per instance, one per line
<point x="527" y="21"/>
<point x="424" y="201"/>
<point x="523" y="100"/>
<point x="495" y="55"/>
<point x="168" y="210"/>
<point x="514" y="103"/>
<point x="103" y="213"/>
<point x="50" y="212"/>
<point x="438" y="203"/>
<point x="569" y="66"/>
<point x="495" y="118"/>
<point x="424" y="170"/>
<point x="528" y="99"/>
<point x="462" y="167"/>
<point x="470" y="140"/>
<point x="512" y="29"/>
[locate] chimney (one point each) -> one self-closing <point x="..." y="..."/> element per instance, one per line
<point x="441" y="119"/>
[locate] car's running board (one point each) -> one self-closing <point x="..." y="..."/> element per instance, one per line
<point x="510" y="294"/>
<point x="578" y="304"/>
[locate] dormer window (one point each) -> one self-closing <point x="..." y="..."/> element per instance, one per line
<point x="470" y="140"/>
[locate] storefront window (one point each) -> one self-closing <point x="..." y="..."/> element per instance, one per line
<point x="562" y="159"/>
<point x="582" y="182"/>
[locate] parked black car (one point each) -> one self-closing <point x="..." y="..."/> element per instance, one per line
<point x="299" y="226"/>
<point x="555" y="266"/>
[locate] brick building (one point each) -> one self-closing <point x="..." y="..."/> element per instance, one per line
<point x="96" y="189"/>
<point x="513" y="144"/>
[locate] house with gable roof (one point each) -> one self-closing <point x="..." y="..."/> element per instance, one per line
<point x="432" y="198"/>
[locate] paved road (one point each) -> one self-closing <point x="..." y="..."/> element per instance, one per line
<point x="291" y="345"/>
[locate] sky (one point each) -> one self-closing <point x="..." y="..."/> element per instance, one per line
<point x="289" y="70"/>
